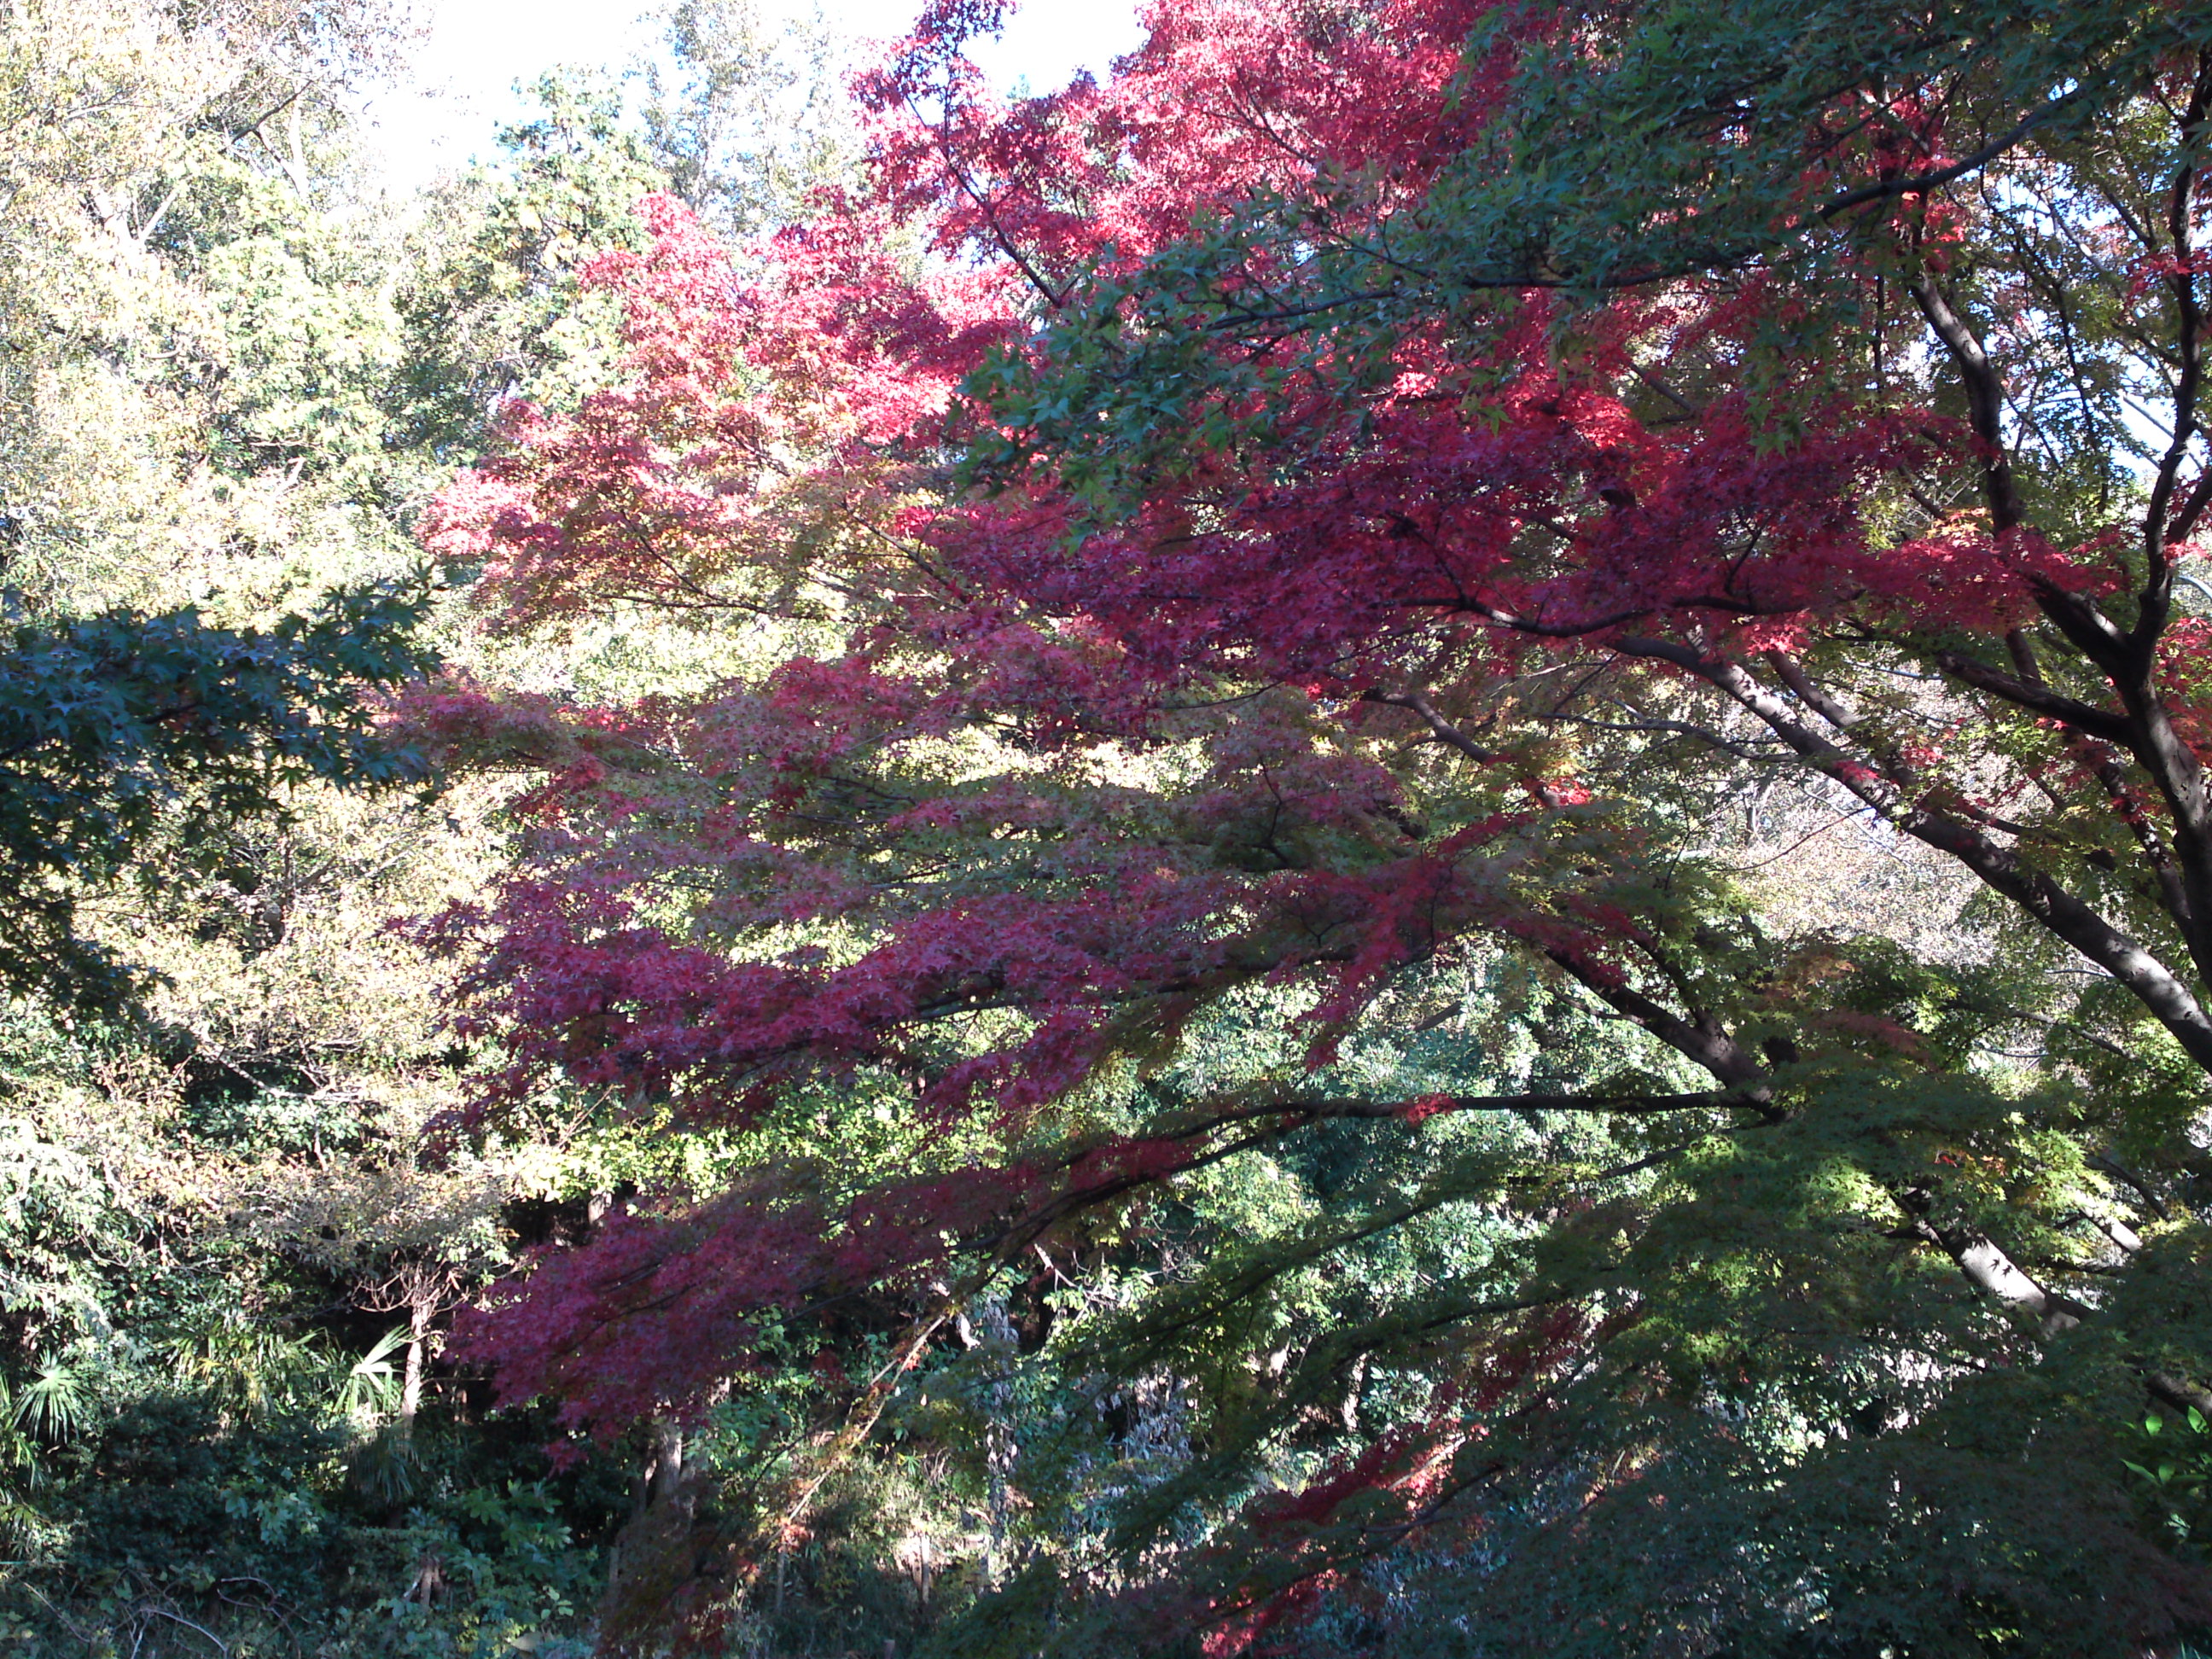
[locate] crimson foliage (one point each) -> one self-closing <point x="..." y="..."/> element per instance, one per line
<point x="1349" y="512"/>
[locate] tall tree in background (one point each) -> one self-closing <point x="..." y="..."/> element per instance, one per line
<point x="208" y="463"/>
<point x="1322" y="539"/>
<point x="491" y="302"/>
<point x="749" y="116"/>
<point x="186" y="411"/>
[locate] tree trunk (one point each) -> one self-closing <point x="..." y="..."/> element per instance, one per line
<point x="410" y="1376"/>
<point x="656" y="1554"/>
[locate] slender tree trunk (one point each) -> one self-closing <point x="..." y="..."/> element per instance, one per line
<point x="656" y="1554"/>
<point x="664" y="1481"/>
<point x="410" y="1376"/>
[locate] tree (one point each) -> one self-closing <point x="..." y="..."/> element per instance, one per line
<point x="748" y="119"/>
<point x="209" y="448"/>
<point x="1341" y="520"/>
<point x="190" y="317"/>
<point x="186" y="438"/>
<point x="123" y="730"/>
<point x="491" y="305"/>
<point x="400" y="1239"/>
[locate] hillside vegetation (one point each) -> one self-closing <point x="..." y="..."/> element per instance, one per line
<point x="1390" y="841"/>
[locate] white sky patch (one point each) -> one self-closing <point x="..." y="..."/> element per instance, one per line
<point x="478" y="50"/>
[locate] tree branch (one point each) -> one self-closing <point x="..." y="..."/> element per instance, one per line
<point x="2173" y="1003"/>
<point x="1984" y="399"/>
<point x="2038" y="698"/>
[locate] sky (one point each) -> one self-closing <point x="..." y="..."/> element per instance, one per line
<point x="476" y="49"/>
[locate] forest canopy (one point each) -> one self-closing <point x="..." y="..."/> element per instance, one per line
<point x="1390" y="839"/>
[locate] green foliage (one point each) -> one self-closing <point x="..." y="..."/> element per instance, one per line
<point x="214" y="336"/>
<point x="1709" y="1383"/>
<point x="370" y="1389"/>
<point x="2176" y="1472"/>
<point x="120" y="725"/>
<point x="52" y="1404"/>
<point x="491" y="307"/>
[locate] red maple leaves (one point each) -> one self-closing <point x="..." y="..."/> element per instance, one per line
<point x="1046" y="767"/>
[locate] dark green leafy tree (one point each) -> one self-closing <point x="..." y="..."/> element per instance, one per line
<point x="124" y="732"/>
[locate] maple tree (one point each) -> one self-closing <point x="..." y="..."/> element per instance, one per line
<point x="1324" y="533"/>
